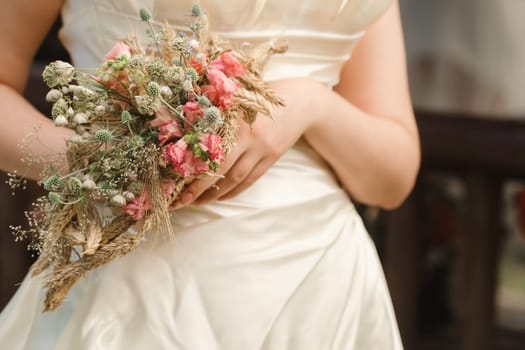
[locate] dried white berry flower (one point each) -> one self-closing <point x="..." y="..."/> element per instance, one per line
<point x="118" y="200"/>
<point x="60" y="120"/>
<point x="166" y="92"/>
<point x="59" y="108"/>
<point x="89" y="184"/>
<point x="100" y="110"/>
<point x="53" y="95"/>
<point x="128" y="195"/>
<point x="187" y="86"/>
<point x="193" y="45"/>
<point x="76" y="138"/>
<point x="58" y="73"/>
<point x="80" y="118"/>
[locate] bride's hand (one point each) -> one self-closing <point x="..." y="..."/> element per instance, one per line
<point x="259" y="147"/>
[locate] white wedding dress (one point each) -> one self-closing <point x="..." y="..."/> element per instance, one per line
<point x="285" y="265"/>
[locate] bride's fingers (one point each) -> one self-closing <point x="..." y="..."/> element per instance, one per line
<point x="236" y="175"/>
<point x="259" y="170"/>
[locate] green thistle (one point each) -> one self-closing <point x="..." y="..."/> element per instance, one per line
<point x="192" y="74"/>
<point x="196" y="10"/>
<point x="53" y="183"/>
<point x="144" y="15"/>
<point x="74" y="186"/>
<point x="126" y="117"/>
<point x="153" y="89"/>
<point x="103" y="135"/>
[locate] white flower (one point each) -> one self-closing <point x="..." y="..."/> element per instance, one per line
<point x="53" y="95"/>
<point x="187" y="86"/>
<point x="100" y="110"/>
<point x="193" y="45"/>
<point x="166" y="92"/>
<point x="60" y="120"/>
<point x="76" y="138"/>
<point x="80" y="118"/>
<point x="128" y="195"/>
<point x="58" y="73"/>
<point x="89" y="184"/>
<point x="118" y="200"/>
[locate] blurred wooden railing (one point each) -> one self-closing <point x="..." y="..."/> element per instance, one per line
<point x="484" y="153"/>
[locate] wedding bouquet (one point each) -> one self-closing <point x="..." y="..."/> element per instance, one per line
<point x="147" y="121"/>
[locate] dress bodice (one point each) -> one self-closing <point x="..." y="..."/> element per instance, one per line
<point x="320" y="34"/>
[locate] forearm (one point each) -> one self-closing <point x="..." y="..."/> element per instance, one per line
<point x="375" y="157"/>
<point x="26" y="134"/>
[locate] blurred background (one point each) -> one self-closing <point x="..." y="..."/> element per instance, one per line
<point x="454" y="253"/>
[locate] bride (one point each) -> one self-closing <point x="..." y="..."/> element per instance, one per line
<point x="273" y="255"/>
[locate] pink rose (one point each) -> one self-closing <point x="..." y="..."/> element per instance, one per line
<point x="229" y="65"/>
<point x="224" y="88"/>
<point x="138" y="207"/>
<point x="174" y="153"/>
<point x="212" y="143"/>
<point x="193" y="165"/>
<point x="168" y="131"/>
<point x="192" y="111"/>
<point x="183" y="160"/>
<point x="120" y="49"/>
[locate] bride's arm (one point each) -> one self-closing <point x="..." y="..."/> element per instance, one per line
<point x="368" y="133"/>
<point x="24" y="23"/>
<point x="364" y="129"/>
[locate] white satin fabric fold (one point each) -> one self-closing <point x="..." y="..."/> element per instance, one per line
<point x="285" y="265"/>
<point x="320" y="34"/>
